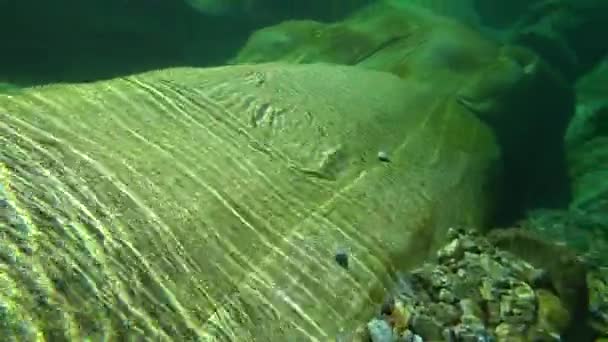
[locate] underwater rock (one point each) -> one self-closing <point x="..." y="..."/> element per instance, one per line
<point x="507" y="87"/>
<point x="568" y="271"/>
<point x="582" y="231"/>
<point x="427" y="327"/>
<point x="272" y="11"/>
<point x="387" y="36"/>
<point x="341" y="258"/>
<point x="587" y="236"/>
<point x="553" y="317"/>
<point x="380" y="331"/>
<point x="197" y="204"/>
<point x="499" y="302"/>
<point x="383" y="157"/>
<point x="587" y="146"/>
<point x="598" y="301"/>
<point x="569" y="34"/>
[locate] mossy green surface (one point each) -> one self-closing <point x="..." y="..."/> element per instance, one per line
<point x="209" y="203"/>
<point x="526" y="102"/>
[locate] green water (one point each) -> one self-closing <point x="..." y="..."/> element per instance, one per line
<point x="189" y="170"/>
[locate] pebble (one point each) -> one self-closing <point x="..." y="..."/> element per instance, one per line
<point x="383" y="157"/>
<point x="341" y="258"/>
<point x="388" y="306"/>
<point x="380" y="331"/>
<point x="427" y="328"/>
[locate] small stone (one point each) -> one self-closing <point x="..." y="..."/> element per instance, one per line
<point x="405" y="285"/>
<point x="445" y="314"/>
<point x="400" y="317"/>
<point x="383" y="157"/>
<point x="469" y="245"/>
<point x="519" y="305"/>
<point x="465" y="287"/>
<point x="453" y="250"/>
<point x="446" y="296"/>
<point x="453" y="233"/>
<point x="406" y="336"/>
<point x="438" y="278"/>
<point x="361" y="334"/>
<point x="470" y="308"/>
<point x="341" y="258"/>
<point x="493" y="313"/>
<point x="552" y="315"/>
<point x="524" y="292"/>
<point x="409" y="336"/>
<point x="388" y="306"/>
<point x="488" y="290"/>
<point x="474" y="322"/>
<point x="427" y="328"/>
<point x="449" y="335"/>
<point x="484" y="335"/>
<point x="508" y="332"/>
<point x="539" y="335"/>
<point x="517" y="313"/>
<point x="469" y="335"/>
<point x="491" y="267"/>
<point x="380" y="331"/>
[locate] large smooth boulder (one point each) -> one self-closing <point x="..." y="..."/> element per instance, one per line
<point x="402" y="38"/>
<point x="526" y="102"/>
<point x="210" y="203"/>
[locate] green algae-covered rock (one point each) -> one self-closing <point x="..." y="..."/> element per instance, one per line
<point x="552" y="316"/>
<point x="565" y="269"/>
<point x="271" y="11"/>
<point x="474" y="291"/>
<point x="277" y="10"/>
<point x="208" y="204"/>
<point x="587" y="145"/>
<point x="527" y="103"/>
<point x="390" y="36"/>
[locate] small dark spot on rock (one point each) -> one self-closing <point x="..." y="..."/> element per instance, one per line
<point x="388" y="306"/>
<point x="27" y="250"/>
<point x="383" y="157"/>
<point x="342" y="258"/>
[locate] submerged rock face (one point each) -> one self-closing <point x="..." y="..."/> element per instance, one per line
<point x="584" y="233"/>
<point x="587" y="145"/>
<point x="397" y="37"/>
<point x="210" y="203"/>
<point x="273" y="11"/>
<point x="525" y="101"/>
